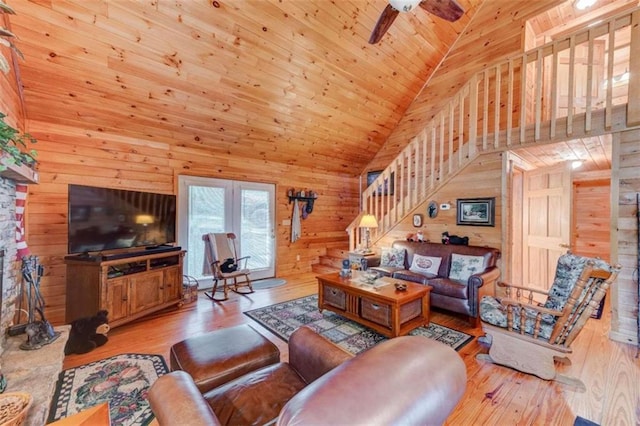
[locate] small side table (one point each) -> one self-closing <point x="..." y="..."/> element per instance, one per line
<point x="356" y="259"/>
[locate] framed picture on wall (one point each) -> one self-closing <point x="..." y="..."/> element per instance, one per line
<point x="476" y="211"/>
<point x="388" y="186"/>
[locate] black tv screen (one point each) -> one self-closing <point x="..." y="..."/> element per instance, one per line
<point x="102" y="219"/>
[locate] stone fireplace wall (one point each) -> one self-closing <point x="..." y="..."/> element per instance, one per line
<point x="10" y="269"/>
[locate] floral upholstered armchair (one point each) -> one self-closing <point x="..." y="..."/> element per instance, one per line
<point x="529" y="336"/>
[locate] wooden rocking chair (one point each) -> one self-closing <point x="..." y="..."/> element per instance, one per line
<point x="529" y="336"/>
<point x="219" y="248"/>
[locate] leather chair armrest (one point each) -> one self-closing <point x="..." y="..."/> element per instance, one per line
<point x="311" y="355"/>
<point x="408" y="380"/>
<point x="175" y="399"/>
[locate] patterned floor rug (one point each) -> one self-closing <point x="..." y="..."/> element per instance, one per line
<point x="283" y="318"/>
<point x="122" y="381"/>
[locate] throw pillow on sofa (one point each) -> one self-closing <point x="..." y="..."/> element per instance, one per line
<point x="392" y="257"/>
<point x="463" y="266"/>
<point x="425" y="264"/>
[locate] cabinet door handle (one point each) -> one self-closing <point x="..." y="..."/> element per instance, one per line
<point x="374" y="306"/>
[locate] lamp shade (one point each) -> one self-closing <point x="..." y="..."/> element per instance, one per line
<point x="144" y="219"/>
<point x="368" y="221"/>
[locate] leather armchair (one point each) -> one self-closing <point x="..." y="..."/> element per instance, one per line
<point x="405" y="380"/>
<point x="256" y="395"/>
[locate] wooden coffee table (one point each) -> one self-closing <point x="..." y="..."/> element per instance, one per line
<point x="383" y="308"/>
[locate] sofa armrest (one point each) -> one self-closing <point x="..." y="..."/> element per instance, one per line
<point x="175" y="399"/>
<point x="311" y="355"/>
<point x="489" y="277"/>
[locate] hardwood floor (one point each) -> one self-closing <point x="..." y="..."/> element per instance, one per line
<point x="495" y="395"/>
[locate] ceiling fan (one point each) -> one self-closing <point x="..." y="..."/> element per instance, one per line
<point x="449" y="10"/>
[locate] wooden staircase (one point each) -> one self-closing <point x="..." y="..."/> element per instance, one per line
<point x="531" y="110"/>
<point x="332" y="261"/>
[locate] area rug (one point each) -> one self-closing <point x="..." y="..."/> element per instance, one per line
<point x="122" y="381"/>
<point x="284" y="318"/>
<point x="267" y="283"/>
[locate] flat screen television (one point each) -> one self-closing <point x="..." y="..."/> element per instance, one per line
<point x="103" y="219"/>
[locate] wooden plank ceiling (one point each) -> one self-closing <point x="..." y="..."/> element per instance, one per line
<point x="290" y="81"/>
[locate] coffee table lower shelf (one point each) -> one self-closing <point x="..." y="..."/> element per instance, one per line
<point x="386" y="310"/>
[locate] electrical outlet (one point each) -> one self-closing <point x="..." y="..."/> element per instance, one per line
<point x="298" y="257"/>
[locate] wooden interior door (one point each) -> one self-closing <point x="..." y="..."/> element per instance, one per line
<point x="546" y="222"/>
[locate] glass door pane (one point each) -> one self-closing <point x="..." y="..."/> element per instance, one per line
<point x="206" y="215"/>
<point x="256" y="229"/>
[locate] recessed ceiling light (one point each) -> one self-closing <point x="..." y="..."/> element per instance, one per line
<point x="584" y="4"/>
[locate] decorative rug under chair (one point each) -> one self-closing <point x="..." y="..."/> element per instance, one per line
<point x="284" y="318"/>
<point x="122" y="381"/>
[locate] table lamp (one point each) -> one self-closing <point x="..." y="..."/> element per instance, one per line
<point x="367" y="222"/>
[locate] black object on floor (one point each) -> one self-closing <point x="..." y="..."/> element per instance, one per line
<point x="581" y="421"/>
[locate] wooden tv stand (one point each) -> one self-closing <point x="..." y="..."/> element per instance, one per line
<point x="129" y="288"/>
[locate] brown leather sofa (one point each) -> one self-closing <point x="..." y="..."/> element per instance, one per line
<point x="448" y="294"/>
<point x="405" y="380"/>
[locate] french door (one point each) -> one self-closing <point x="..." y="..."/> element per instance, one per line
<point x="208" y="205"/>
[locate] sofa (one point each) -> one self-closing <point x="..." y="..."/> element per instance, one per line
<point x="383" y="385"/>
<point x="458" y="274"/>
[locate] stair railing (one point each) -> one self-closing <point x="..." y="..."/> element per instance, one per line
<point x="573" y="86"/>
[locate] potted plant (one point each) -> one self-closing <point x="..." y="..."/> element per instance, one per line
<point x="13" y="146"/>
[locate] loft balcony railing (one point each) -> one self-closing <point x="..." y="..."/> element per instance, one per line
<point x="577" y="85"/>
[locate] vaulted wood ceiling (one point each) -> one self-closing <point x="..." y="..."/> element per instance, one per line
<point x="291" y="81"/>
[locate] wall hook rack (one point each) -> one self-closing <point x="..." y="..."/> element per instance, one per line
<point x="307" y="196"/>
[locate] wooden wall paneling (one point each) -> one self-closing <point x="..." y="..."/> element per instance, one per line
<point x="485" y="172"/>
<point x="624" y="245"/>
<point x="11" y="102"/>
<point x="591" y="215"/>
<point x="69" y="155"/>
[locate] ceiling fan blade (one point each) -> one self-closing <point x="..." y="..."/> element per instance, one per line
<point x="385" y="20"/>
<point x="449" y="10"/>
